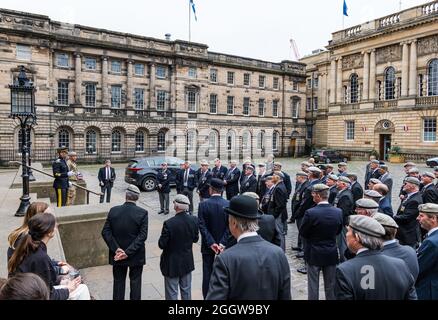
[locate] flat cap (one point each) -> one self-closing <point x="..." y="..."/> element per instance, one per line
<point x="344" y="179"/>
<point x="261" y="165"/>
<point x="72" y="154"/>
<point x="180" y="198"/>
<point x="410" y="164"/>
<point x="428" y="174"/>
<point x="329" y="166"/>
<point x="251" y="194"/>
<point x="279" y="164"/>
<point x="385" y="220"/>
<point x="62" y="149"/>
<point x="430" y="208"/>
<point x="435" y="169"/>
<point x="314" y="169"/>
<point x="333" y="177"/>
<point x="322" y="166"/>
<point x="412" y="180"/>
<point x="204" y="163"/>
<point x="375" y="181"/>
<point x="133" y="188"/>
<point x="279" y="174"/>
<point x="320" y="187"/>
<point x="250" y="167"/>
<point x="367" y="204"/>
<point x="375" y="161"/>
<point x="372" y="194"/>
<point x="413" y="170"/>
<point x="342" y="164"/>
<point x="301" y="174"/>
<point x="350" y="174"/>
<point x="366" y="225"/>
<point x="383" y="166"/>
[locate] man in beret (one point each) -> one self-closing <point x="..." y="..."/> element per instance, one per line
<point x="323" y="176"/>
<point x="386" y="178"/>
<point x="329" y="169"/>
<point x="384" y="202"/>
<point x="407" y="213"/>
<point x="427" y="288"/>
<point x="371" y="275"/>
<point x="320" y="226"/>
<point x="429" y="192"/>
<point x="125" y="232"/>
<point x="344" y="201"/>
<point x="253" y="269"/>
<point x="213" y="225"/>
<point x="72" y="166"/>
<point x="248" y="182"/>
<point x="355" y="187"/>
<point x="372" y="194"/>
<point x="373" y="172"/>
<point x="342" y="169"/>
<point x="176" y="240"/>
<point x="391" y="246"/>
<point x="332" y="181"/>
<point x="61" y="174"/>
<point x="407" y="167"/>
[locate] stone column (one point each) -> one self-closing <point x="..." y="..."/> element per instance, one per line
<point x="332" y="98"/>
<point x="413" y="69"/>
<point x="339" y="81"/>
<point x="405" y="70"/>
<point x="129" y="94"/>
<point x="172" y="98"/>
<point x="320" y="89"/>
<point x="105" y="97"/>
<point x="323" y="90"/>
<point x="372" y="85"/>
<point x="152" y="104"/>
<point x="366" y="76"/>
<point x="78" y="78"/>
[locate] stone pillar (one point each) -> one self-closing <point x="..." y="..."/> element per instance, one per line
<point x="339" y="82"/>
<point x="320" y="89"/>
<point x="413" y="69"/>
<point x="105" y="96"/>
<point x="129" y="94"/>
<point x="152" y="104"/>
<point x="405" y="70"/>
<point x="372" y="80"/>
<point x="366" y="76"/>
<point x="332" y="98"/>
<point x="172" y="98"/>
<point x="78" y="78"/>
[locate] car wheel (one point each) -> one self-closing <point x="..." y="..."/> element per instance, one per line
<point x="327" y="160"/>
<point x="149" y="184"/>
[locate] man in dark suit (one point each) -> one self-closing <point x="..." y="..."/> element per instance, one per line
<point x="392" y="248"/>
<point x="176" y="240"/>
<point x="371" y="275"/>
<point x="427" y="282"/>
<point x="373" y="172"/>
<point x="232" y="180"/>
<point x="355" y="187"/>
<point x="277" y="206"/>
<point x="213" y="224"/>
<point x="342" y="169"/>
<point x="189" y="183"/>
<point x="248" y="182"/>
<point x="219" y="171"/>
<point x="253" y="269"/>
<point x="300" y="186"/>
<point x="332" y="181"/>
<point x="384" y="203"/>
<point x="203" y="177"/>
<point x="386" y="178"/>
<point x="61" y="174"/>
<point x="264" y="203"/>
<point x="164" y="176"/>
<point x="320" y="226"/>
<point x="367" y="169"/>
<point x="261" y="177"/>
<point x="106" y="176"/>
<point x="406" y="217"/>
<point x="286" y="180"/>
<point x="429" y="193"/>
<point x="179" y="177"/>
<point x="125" y="232"/>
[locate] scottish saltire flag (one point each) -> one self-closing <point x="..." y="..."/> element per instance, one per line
<point x="194" y="9"/>
<point x="345" y="8"/>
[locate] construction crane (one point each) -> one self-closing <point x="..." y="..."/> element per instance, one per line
<point x="295" y="53"/>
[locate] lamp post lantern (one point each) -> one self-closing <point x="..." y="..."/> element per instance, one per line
<point x="23" y="109"/>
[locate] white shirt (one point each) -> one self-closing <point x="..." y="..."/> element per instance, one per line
<point x="432" y="231"/>
<point x="247" y="235"/>
<point x="386" y="243"/>
<point x="361" y="250"/>
<point x="323" y="202"/>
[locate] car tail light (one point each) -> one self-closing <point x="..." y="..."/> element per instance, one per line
<point x="135" y="169"/>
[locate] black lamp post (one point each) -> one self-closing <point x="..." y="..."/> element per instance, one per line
<point x="23" y="109"/>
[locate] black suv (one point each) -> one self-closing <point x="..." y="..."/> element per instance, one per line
<point x="142" y="172"/>
<point x="328" y="156"/>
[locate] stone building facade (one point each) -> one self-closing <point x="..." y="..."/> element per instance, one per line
<point x="376" y="86"/>
<point x="110" y="94"/>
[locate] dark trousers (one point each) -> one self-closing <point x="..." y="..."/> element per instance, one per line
<point x="106" y="188"/>
<point x="164" y="202"/>
<point x="119" y="274"/>
<point x="61" y="197"/>
<point x="231" y="194"/>
<point x="329" y="275"/>
<point x="300" y="238"/>
<point x="207" y="269"/>
<point x="189" y="194"/>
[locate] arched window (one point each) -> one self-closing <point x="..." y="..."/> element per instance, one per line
<point x="261" y="140"/>
<point x="390" y="83"/>
<point x="63" y="138"/>
<point x="161" y="141"/>
<point x="354" y="88"/>
<point x="275" y="139"/>
<point x="91" y="141"/>
<point x="139" y="141"/>
<point x="432" y="83"/>
<point x="116" y="141"/>
<point x="191" y="141"/>
<point x="230" y="141"/>
<point x="246" y="141"/>
<point x="212" y="141"/>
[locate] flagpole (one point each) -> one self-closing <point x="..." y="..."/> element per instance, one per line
<point x="190" y="22"/>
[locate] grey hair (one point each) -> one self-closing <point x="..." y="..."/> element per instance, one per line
<point x="324" y="194"/>
<point x="369" y="242"/>
<point x="371" y="212"/>
<point x="246" y="225"/>
<point x="181" y="206"/>
<point x="131" y="196"/>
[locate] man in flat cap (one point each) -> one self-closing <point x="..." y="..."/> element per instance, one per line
<point x="213" y="224"/>
<point x="355" y="187"/>
<point x="429" y="192"/>
<point x="300" y="186"/>
<point x="373" y="172"/>
<point x="384" y="202"/>
<point x="125" y="232"/>
<point x="232" y="180"/>
<point x="372" y="194"/>
<point x="286" y="178"/>
<point x="344" y="201"/>
<point x="320" y="226"/>
<point x="372" y="182"/>
<point x="261" y="178"/>
<point x="164" y="176"/>
<point x="391" y="246"/>
<point x="305" y="166"/>
<point x="248" y="182"/>
<point x="407" y="168"/>
<point x="323" y="169"/>
<point x="219" y="171"/>
<point x="366" y="207"/>
<point x="386" y="178"/>
<point x="427" y="288"/>
<point x="177" y="237"/>
<point x="407" y="213"/>
<point x="72" y="166"/>
<point x="253" y="269"/>
<point x="332" y="181"/>
<point x="203" y="179"/>
<point x="342" y="169"/>
<point x="61" y="174"/>
<point x="371" y="275"/>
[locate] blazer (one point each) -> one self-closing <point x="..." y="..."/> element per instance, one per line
<point x="427" y="281"/>
<point x="219" y="173"/>
<point x="278" y="202"/>
<point x="213" y="223"/>
<point x="344" y="201"/>
<point x="261" y="185"/>
<point x="60" y="172"/>
<point x="164" y="179"/>
<point x="406" y="253"/>
<point x="391" y="278"/>
<point x="248" y="184"/>
<point x="357" y="191"/>
<point x="385" y="206"/>
<point x="371" y="175"/>
<point x="332" y="195"/>
<point x="409" y="230"/>
<point x="191" y="179"/>
<point x="102" y="176"/>
<point x="307" y="199"/>
<point x="268" y="229"/>
<point x="287" y="183"/>
<point x="232" y="179"/>
<point x="320" y="226"/>
<point x="204" y="184"/>
<point x="297" y="196"/>
<point x="430" y="194"/>
<point x="126" y="227"/>
<point x="176" y="240"/>
<point x="253" y="269"/>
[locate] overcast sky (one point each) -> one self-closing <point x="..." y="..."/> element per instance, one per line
<point x="252" y="28"/>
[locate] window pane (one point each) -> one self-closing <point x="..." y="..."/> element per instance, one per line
<point x="139" y="69"/>
<point x="161" y="72"/>
<point x="139" y="141"/>
<point x="62" y="60"/>
<point x="275" y="108"/>
<point x="295" y="107"/>
<point x="213" y="103"/>
<point x="246" y="110"/>
<point x="433" y="78"/>
<point x="90" y="95"/>
<point x="230" y="77"/>
<point x="161" y="100"/>
<point x="429" y="134"/>
<point x="63" y="93"/>
<point x="63" y="138"/>
<point x="138" y="99"/>
<point x="24" y="52"/>
<point x="261" y="107"/>
<point x="116" y="141"/>
<point x="116" y="97"/>
<point x="212" y="138"/>
<point x="275" y="141"/>
<point x="275" y="84"/>
<point x="90" y="63"/>
<point x="349" y="126"/>
<point x="161" y="141"/>
<point x="91" y="141"/>
<point x="390" y="84"/>
<point x="191" y="101"/>
<point x="246" y="79"/>
<point x="354" y="86"/>
<point x="192" y="72"/>
<point x="262" y="81"/>
<point x="116" y="66"/>
<point x="230" y="105"/>
<point x="213" y="75"/>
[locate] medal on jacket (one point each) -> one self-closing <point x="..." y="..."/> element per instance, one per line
<point x="402" y="208"/>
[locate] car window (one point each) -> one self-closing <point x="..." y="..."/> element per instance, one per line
<point x="151" y="162"/>
<point x="173" y="162"/>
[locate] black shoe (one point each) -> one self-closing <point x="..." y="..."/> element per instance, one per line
<point x="300" y="255"/>
<point x="166" y="213"/>
<point x="161" y="212"/>
<point x="297" y="249"/>
<point x="302" y="270"/>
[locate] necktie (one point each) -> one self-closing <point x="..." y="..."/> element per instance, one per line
<point x="107" y="174"/>
<point x="186" y="176"/>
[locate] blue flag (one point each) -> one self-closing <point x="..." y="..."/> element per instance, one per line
<point x="194" y="9"/>
<point x="345" y="8"/>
